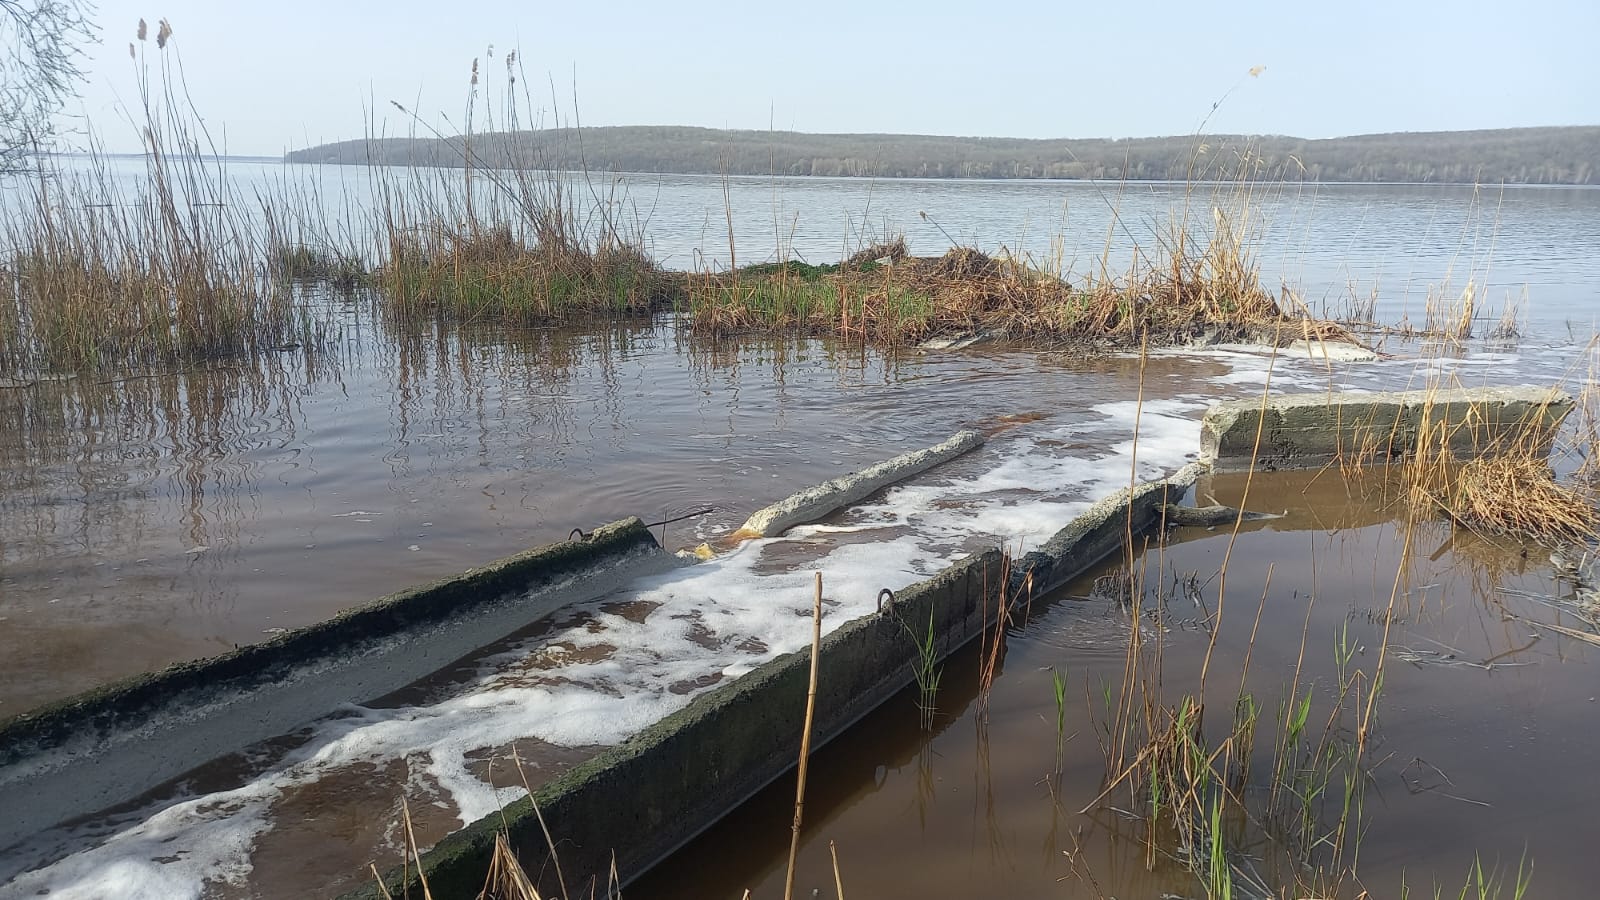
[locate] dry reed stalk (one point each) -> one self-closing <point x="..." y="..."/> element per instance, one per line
<point x="1507" y="487"/>
<point x="838" y="881"/>
<point x="1587" y="637"/>
<point x="507" y="880"/>
<point x="414" y="851"/>
<point x="805" y="742"/>
<point x="1233" y="536"/>
<point x="1450" y="319"/>
<point x="992" y="651"/>
<point x="544" y="827"/>
<point x="1584" y="442"/>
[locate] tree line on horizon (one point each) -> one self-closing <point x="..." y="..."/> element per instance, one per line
<point x="1555" y="155"/>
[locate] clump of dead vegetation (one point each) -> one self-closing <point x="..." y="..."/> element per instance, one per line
<point x="1505" y="485"/>
<point x="877" y="254"/>
<point x="885" y="295"/>
<point x="1518" y="494"/>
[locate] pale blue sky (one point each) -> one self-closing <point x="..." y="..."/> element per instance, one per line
<point x="285" y="74"/>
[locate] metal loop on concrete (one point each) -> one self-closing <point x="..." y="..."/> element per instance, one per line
<point x="881" y="604"/>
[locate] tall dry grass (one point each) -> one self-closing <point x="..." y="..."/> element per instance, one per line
<point x="521" y="233"/>
<point x="168" y="268"/>
<point x="1491" y="471"/>
<point x="182" y="265"/>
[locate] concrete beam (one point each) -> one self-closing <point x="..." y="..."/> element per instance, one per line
<point x="1309" y="430"/>
<point x="107" y="746"/>
<point x="638" y="802"/>
<point x="813" y="503"/>
<point x="1101" y="529"/>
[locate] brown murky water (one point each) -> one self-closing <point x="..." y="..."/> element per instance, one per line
<point x="155" y="519"/>
<point x="1483" y="747"/>
<point x="150" y="520"/>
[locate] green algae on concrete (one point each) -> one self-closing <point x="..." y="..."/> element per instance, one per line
<point x="639" y="801"/>
<point x="103" y="747"/>
<point x="636" y="803"/>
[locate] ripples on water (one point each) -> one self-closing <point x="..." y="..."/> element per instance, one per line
<point x="615" y="668"/>
<point x="163" y="518"/>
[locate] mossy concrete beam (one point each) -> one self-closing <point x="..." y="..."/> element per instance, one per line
<point x="638" y="802"/>
<point x="813" y="503"/>
<point x="110" y="745"/>
<point x="1309" y="430"/>
<point x="1101" y="529"/>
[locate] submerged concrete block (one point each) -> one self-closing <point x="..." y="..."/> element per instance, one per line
<point x="633" y="804"/>
<point x="1307" y="430"/>
<point x="1101" y="528"/>
<point x="813" y="503"/>
<point x="107" y="746"/>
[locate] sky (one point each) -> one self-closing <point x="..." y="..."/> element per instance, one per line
<point x="275" y="76"/>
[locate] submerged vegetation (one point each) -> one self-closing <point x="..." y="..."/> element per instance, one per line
<point x="1255" y="802"/>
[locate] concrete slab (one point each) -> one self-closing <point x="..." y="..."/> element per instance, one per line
<point x="1308" y="430"/>
<point x="1315" y="348"/>
<point x="1102" y="528"/>
<point x="1332" y="351"/>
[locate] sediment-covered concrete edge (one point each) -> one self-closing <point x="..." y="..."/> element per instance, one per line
<point x="646" y="797"/>
<point x="813" y="503"/>
<point x="109" y="745"/>
<point x="1100" y="529"/>
<point x="1303" y="430"/>
<point x="636" y="803"/>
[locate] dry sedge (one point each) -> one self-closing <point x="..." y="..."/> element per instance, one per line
<point x="1519" y="495"/>
<point x="1507" y="487"/>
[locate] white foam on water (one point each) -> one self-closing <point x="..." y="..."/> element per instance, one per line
<point x="609" y="676"/>
<point x="175" y="853"/>
<point x="1254" y="367"/>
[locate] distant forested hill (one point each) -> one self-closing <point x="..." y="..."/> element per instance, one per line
<point x="1568" y="155"/>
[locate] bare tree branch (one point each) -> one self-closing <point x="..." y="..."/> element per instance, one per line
<point x="41" y="50"/>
